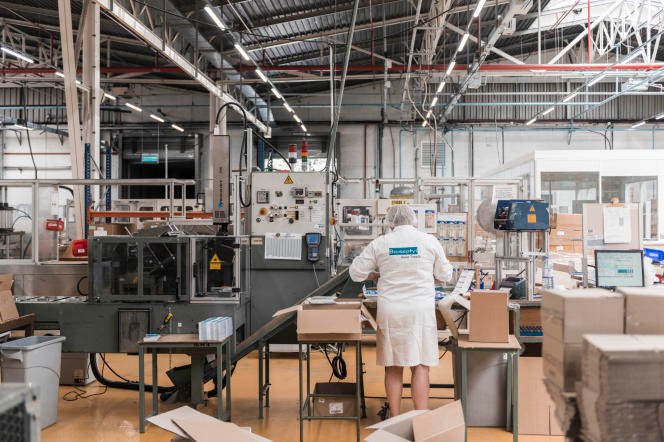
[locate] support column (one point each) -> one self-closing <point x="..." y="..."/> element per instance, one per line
<point x="73" y="118"/>
<point x="92" y="98"/>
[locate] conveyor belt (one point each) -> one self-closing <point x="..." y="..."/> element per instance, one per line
<point x="278" y="324"/>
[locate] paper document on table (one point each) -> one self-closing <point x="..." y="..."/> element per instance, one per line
<point x="283" y="246"/>
<point x="463" y="283"/>
<point x="617" y="225"/>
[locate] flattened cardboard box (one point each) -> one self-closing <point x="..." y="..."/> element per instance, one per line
<point x="644" y="310"/>
<point x="6" y="281"/>
<point x="536" y="409"/>
<point x="341" y="321"/>
<point x="489" y="316"/>
<point x="445" y="423"/>
<point x="562" y="363"/>
<point x="567" y="315"/>
<point x="8" y="310"/>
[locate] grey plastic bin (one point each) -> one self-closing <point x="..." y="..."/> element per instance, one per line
<point x="35" y="360"/>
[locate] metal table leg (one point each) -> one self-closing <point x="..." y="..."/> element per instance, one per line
<point x="141" y="390"/>
<point x="155" y="384"/>
<point x="358" y="384"/>
<point x="515" y="402"/>
<point x="196" y="378"/>
<point x="361" y="381"/>
<point x="308" y="380"/>
<point x="464" y="389"/>
<point x="228" y="379"/>
<point x="260" y="380"/>
<point x="267" y="374"/>
<point x="508" y="409"/>
<point x="220" y="402"/>
<point x="299" y="364"/>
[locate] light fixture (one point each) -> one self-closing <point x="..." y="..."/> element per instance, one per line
<point x="464" y="39"/>
<point x="660" y="116"/>
<point x="302" y="126"/>
<point x="548" y="111"/>
<point x="570" y="97"/>
<point x="59" y="74"/>
<point x="440" y="87"/>
<point x="450" y="67"/>
<point x="133" y="107"/>
<point x="428" y="114"/>
<point x="531" y="121"/>
<point x="13" y="53"/>
<point x="22" y="127"/>
<point x="296" y="118"/>
<point x="478" y="9"/>
<point x="596" y="80"/>
<point x="434" y="101"/>
<point x="288" y="108"/>
<point x="109" y="96"/>
<point x="243" y="53"/>
<point x="276" y="93"/>
<point x="631" y="56"/>
<point x="157" y="118"/>
<point x="424" y="123"/>
<point x="78" y="82"/>
<point x="261" y="75"/>
<point x="213" y="15"/>
<point x="176" y="127"/>
<point x="640" y="123"/>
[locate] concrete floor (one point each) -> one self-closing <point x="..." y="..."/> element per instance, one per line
<point x="113" y="416"/>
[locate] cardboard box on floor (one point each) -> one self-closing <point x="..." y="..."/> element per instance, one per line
<point x="8" y="310"/>
<point x="445" y="423"/>
<point x="643" y="310"/>
<point x="536" y="409"/>
<point x="341" y="321"/>
<point x="489" y="316"/>
<point x="188" y="424"/>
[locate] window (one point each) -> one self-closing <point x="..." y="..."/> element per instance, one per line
<point x="631" y="189"/>
<point x="567" y="192"/>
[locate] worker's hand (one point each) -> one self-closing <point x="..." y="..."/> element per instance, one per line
<point x="373" y="276"/>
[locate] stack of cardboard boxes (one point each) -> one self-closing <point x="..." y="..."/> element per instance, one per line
<point x="566" y="233"/>
<point x="621" y="395"/>
<point x="567" y="315"/>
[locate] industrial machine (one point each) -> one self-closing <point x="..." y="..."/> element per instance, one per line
<point x="522" y="215"/>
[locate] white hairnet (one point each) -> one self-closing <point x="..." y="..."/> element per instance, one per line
<point x="401" y="215"/>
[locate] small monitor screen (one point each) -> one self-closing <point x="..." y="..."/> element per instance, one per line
<point x="619" y="268"/>
<point x="313" y="238"/>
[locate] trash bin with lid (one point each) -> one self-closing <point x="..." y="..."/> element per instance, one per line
<point x="35" y="360"/>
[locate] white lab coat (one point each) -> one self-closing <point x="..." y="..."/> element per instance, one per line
<point x="408" y="260"/>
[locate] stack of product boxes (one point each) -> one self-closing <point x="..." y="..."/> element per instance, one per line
<point x="567" y="315"/>
<point x="215" y="329"/>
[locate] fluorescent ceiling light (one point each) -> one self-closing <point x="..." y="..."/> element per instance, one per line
<point x="288" y="108"/>
<point x="296" y="118"/>
<point x="570" y="97"/>
<point x="158" y="118"/>
<point x="22" y="127"/>
<point x="215" y="18"/>
<point x="133" y="107"/>
<point x="478" y="9"/>
<point x="261" y="75"/>
<point x="428" y="114"/>
<point x="176" y="127"/>
<point x="109" y="96"/>
<point x="424" y="123"/>
<point x="78" y="82"/>
<point x="13" y="53"/>
<point x="660" y="116"/>
<point x="548" y="111"/>
<point x="304" y="129"/>
<point x="434" y="101"/>
<point x="243" y="53"/>
<point x="276" y="93"/>
<point x="640" y="123"/>
<point x="59" y="74"/>
<point x="464" y="39"/>
<point x="596" y="80"/>
<point x="440" y="87"/>
<point x="531" y="121"/>
<point x="632" y="56"/>
<point x="450" y="67"/>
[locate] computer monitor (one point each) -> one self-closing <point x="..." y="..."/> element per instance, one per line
<point x="618" y="268"/>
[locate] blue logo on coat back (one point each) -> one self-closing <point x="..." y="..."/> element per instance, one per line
<point x="403" y="251"/>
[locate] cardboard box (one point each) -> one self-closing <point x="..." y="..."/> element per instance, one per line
<point x="536" y="409"/>
<point x="644" y="310"/>
<point x="6" y="281"/>
<point x="445" y="423"/>
<point x="569" y="314"/>
<point x="562" y="363"/>
<point x="336" y="322"/>
<point x="8" y="310"/>
<point x="489" y="316"/>
<point x="339" y="399"/>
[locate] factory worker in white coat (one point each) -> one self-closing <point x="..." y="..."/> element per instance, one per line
<point x="405" y="262"/>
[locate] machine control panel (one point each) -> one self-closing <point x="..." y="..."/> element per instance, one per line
<point x="294" y="202"/>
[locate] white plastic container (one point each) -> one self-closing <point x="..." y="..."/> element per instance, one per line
<point x="35" y="360"/>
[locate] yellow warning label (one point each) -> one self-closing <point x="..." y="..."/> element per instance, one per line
<point x="288" y="180"/>
<point x="532" y="208"/>
<point x="215" y="263"/>
<point x="532" y="218"/>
